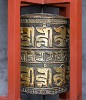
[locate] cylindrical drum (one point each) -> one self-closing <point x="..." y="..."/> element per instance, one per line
<point x="44" y="54"/>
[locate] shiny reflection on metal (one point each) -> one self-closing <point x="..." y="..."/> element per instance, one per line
<point x="44" y="54"/>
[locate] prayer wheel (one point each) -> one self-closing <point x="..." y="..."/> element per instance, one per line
<point x="44" y="53"/>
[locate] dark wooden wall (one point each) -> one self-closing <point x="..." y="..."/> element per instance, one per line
<point x="38" y="97"/>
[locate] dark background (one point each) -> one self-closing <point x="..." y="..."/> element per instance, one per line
<point x="3" y="48"/>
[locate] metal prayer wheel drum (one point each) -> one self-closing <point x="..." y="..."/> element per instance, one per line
<point x="44" y="54"/>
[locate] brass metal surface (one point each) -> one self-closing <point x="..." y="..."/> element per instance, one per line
<point x="44" y="54"/>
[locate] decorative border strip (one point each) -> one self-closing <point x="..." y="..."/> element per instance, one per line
<point x="45" y="91"/>
<point x="53" y="21"/>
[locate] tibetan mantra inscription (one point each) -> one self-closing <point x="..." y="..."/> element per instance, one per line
<point x="44" y="54"/>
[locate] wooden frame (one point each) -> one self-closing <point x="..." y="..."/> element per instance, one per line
<point x="73" y="11"/>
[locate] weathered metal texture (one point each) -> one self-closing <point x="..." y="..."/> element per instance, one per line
<point x="44" y="54"/>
